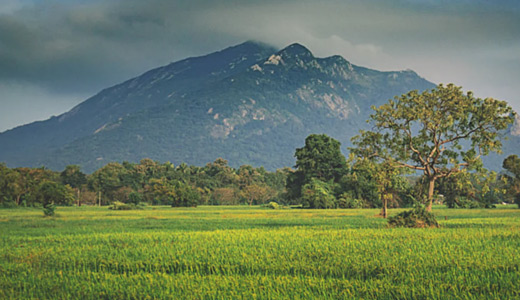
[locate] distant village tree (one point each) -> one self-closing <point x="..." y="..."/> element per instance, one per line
<point x="512" y="166"/>
<point x="106" y="180"/>
<point x="386" y="179"/>
<point x="73" y="176"/>
<point x="439" y="132"/>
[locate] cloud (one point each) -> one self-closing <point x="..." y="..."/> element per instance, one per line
<point x="77" y="47"/>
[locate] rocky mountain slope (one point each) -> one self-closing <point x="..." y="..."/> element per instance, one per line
<point x="249" y="104"/>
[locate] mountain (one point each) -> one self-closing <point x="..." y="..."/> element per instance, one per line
<point x="250" y="104"/>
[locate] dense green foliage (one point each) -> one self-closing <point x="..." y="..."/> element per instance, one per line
<point x="439" y="132"/>
<point x="149" y="181"/>
<point x="50" y="193"/>
<point x="512" y="178"/>
<point x="418" y="217"/>
<point x="320" y="158"/>
<point x="374" y="180"/>
<point x="256" y="253"/>
<point x="473" y="190"/>
<point x="358" y="183"/>
<point x="116" y="205"/>
<point x="320" y="166"/>
<point x="317" y="194"/>
<point x="31" y="187"/>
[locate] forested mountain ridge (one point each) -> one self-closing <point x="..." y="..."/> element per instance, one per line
<point x="249" y="104"/>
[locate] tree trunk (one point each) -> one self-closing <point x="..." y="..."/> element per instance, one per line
<point x="99" y="198"/>
<point x="79" y="201"/>
<point x="384" y="209"/>
<point x="430" y="194"/>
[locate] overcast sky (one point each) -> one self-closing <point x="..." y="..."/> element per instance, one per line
<point x="55" y="54"/>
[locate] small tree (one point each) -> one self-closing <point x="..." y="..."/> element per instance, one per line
<point x="73" y="176"/>
<point x="257" y="193"/>
<point x="382" y="174"/>
<point x="224" y="196"/>
<point x="106" y="180"/>
<point x="185" y="196"/>
<point x="318" y="194"/>
<point x="160" y="191"/>
<point x="512" y="165"/>
<point x="50" y="193"/>
<point x="439" y="132"/>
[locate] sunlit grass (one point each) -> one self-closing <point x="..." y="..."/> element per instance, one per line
<point x="253" y="252"/>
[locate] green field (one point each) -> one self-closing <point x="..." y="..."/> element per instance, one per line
<point x="248" y="253"/>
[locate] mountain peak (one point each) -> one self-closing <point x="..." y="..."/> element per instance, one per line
<point x="296" y="50"/>
<point x="251" y="44"/>
<point x="246" y="48"/>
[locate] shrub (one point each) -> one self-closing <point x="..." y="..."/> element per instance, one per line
<point x="415" y="218"/>
<point x="48" y="209"/>
<point x="50" y="192"/>
<point x="116" y="205"/>
<point x="318" y="194"/>
<point x="347" y="201"/>
<point x="135" y="198"/>
<point x="273" y="205"/>
<point x="185" y="196"/>
<point x="8" y="204"/>
<point x="463" y="202"/>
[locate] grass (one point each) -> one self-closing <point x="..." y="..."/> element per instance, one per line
<point x="256" y="253"/>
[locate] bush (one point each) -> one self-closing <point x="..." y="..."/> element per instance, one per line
<point x="8" y="204"/>
<point x="135" y="198"/>
<point x="50" y="192"/>
<point x="273" y="205"/>
<point x="116" y="205"/>
<point x="318" y="194"/>
<point x="185" y="196"/>
<point x="48" y="210"/>
<point x="347" y="201"/>
<point x="463" y="202"/>
<point x="415" y="218"/>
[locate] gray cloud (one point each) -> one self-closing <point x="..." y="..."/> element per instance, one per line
<point x="57" y="53"/>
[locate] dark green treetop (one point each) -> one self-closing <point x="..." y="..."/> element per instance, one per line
<point x="321" y="158"/>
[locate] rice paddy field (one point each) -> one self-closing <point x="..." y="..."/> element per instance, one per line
<point x="256" y="253"/>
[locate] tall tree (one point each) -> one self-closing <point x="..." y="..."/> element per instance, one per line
<point x="73" y="176"/>
<point x="106" y="180"/>
<point x="439" y="132"/>
<point x="320" y="159"/>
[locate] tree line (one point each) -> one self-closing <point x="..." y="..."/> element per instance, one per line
<point x="148" y="182"/>
<point x="322" y="178"/>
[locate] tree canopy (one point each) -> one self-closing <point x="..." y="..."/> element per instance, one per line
<point x="439" y="132"/>
<point x="512" y="176"/>
<point x="320" y="159"/>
